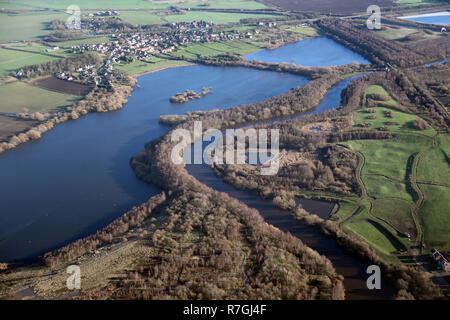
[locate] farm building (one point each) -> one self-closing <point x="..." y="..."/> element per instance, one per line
<point x="440" y="259"/>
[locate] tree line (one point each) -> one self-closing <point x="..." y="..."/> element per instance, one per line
<point x="355" y="35"/>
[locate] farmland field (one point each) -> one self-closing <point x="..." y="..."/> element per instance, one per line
<point x="26" y="26"/>
<point x="142" y="17"/>
<point x="19" y="95"/>
<point x="62" y="86"/>
<point x="10" y="126"/>
<point x="439" y="157"/>
<point x="376" y="233"/>
<point x="213" y="49"/>
<point x="216" y="17"/>
<point x="124" y="4"/>
<point x="380" y="187"/>
<point x="11" y="60"/>
<point x="396" y="33"/>
<point x="326" y="6"/>
<point x="412" y="3"/>
<point x="434" y="216"/>
<point x="69" y="43"/>
<point x="396" y="212"/>
<point x="140" y="67"/>
<point x="388" y="158"/>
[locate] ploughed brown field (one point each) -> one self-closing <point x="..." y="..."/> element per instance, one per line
<point x="63" y="86"/>
<point x="10" y="126"/>
<point x="324" y="6"/>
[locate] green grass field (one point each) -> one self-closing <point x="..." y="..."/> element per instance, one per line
<point x="19" y="95"/>
<point x="387" y="161"/>
<point x="378" y="234"/>
<point x="11" y="60"/>
<point x="139" y="67"/>
<point x="380" y="187"/>
<point x="142" y="17"/>
<point x="389" y="158"/>
<point x="305" y="31"/>
<point x="240" y="4"/>
<point x="70" y="43"/>
<point x="215" y="48"/>
<point x="395" y="33"/>
<point x="31" y="46"/>
<point x="404" y="120"/>
<point x="216" y="17"/>
<point x="374" y="89"/>
<point x="413" y="3"/>
<point x="439" y="157"/>
<point x="124" y="4"/>
<point x="434" y="216"/>
<point x="398" y="213"/>
<point x="26" y="26"/>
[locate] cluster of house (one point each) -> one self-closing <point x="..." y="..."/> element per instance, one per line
<point x="63" y="76"/>
<point x="104" y="13"/>
<point x="440" y="259"/>
<point x="267" y="24"/>
<point x="141" y="45"/>
<point x="90" y="75"/>
<point x="124" y="45"/>
<point x="96" y="25"/>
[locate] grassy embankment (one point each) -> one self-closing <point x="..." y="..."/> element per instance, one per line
<point x="391" y="205"/>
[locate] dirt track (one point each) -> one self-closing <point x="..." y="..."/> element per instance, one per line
<point x="324" y="6"/>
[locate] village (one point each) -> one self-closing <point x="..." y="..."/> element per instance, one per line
<point x="141" y="45"/>
<point x="127" y="47"/>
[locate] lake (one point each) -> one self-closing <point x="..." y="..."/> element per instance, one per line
<point x="77" y="178"/>
<point x="439" y="18"/>
<point x="311" y="52"/>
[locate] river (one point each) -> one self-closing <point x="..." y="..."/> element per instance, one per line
<point x="77" y="178"/>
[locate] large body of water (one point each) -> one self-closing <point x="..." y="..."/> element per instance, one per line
<point x="439" y="18"/>
<point x="311" y="52"/>
<point x="77" y="178"/>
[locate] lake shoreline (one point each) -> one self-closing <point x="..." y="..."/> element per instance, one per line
<point x="434" y="14"/>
